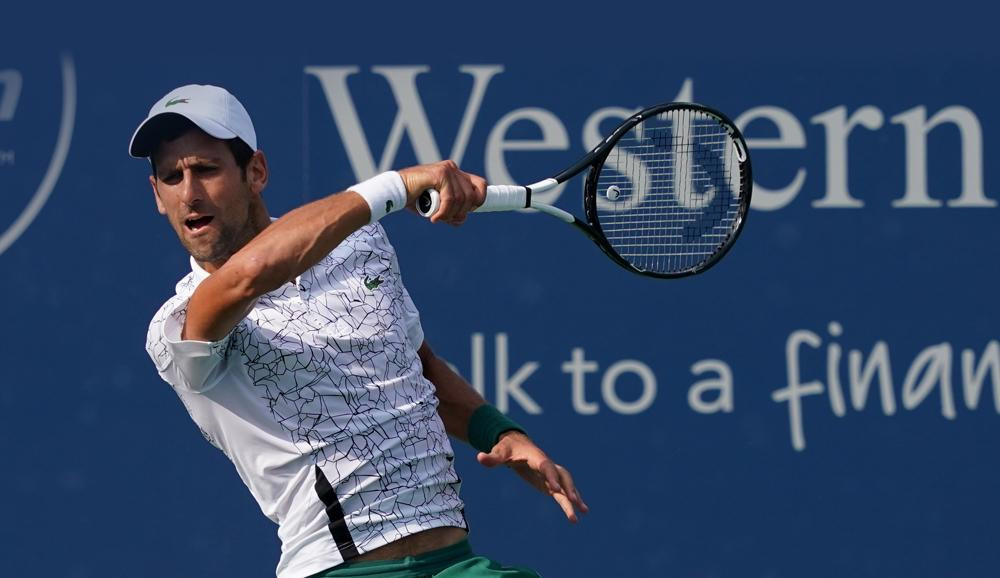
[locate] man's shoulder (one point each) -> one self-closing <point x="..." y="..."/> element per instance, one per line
<point x="155" y="345"/>
<point x="356" y="248"/>
<point x="182" y="292"/>
<point x="169" y="306"/>
<point x="373" y="232"/>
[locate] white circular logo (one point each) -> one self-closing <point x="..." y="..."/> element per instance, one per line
<point x="10" y="93"/>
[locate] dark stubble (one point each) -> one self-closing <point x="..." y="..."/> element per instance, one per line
<point x="231" y="239"/>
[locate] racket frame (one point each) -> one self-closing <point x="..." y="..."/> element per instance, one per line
<point x="594" y="160"/>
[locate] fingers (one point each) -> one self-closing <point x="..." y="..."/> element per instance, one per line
<point x="499" y="455"/>
<point x="464" y="193"/>
<point x="556" y="481"/>
<point x="566" y="480"/>
<point x="490" y="460"/>
<point x="518" y="452"/>
<point x="459" y="195"/>
<point x="550" y="472"/>
<point x="551" y="476"/>
<point x="460" y="192"/>
<point x="567" y="507"/>
<point x="563" y="490"/>
<point x="478" y="196"/>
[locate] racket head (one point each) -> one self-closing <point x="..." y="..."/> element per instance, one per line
<point x="669" y="190"/>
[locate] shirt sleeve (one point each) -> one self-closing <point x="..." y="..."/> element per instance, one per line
<point x="186" y="364"/>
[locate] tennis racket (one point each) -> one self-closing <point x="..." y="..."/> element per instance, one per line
<point x="666" y="196"/>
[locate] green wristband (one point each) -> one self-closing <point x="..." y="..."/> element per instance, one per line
<point x="486" y="425"/>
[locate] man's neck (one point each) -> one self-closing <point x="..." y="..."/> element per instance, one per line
<point x="259" y="220"/>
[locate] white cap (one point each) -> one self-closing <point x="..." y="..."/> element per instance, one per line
<point x="213" y="109"/>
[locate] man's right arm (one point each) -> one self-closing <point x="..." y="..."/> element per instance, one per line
<point x="278" y="254"/>
<point x="297" y="241"/>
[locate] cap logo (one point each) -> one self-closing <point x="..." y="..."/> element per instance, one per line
<point x="175" y="101"/>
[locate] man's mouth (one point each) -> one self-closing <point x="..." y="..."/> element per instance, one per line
<point x="196" y="224"/>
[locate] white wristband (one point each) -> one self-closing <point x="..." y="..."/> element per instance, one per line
<point x="384" y="193"/>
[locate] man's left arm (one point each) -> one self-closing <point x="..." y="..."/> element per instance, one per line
<point x="459" y="403"/>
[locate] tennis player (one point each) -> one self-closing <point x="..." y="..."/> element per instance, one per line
<point x="298" y="352"/>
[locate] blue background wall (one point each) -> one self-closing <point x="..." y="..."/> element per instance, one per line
<point x="103" y="474"/>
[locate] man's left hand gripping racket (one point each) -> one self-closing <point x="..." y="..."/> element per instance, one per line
<point x="666" y="196"/>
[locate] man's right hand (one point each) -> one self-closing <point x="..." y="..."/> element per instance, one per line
<point x="461" y="192"/>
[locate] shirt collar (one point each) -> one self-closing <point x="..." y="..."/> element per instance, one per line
<point x="199" y="273"/>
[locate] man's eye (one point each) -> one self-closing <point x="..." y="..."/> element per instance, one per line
<point x="171" y="178"/>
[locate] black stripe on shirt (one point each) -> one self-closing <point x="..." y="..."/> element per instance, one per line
<point x="338" y="527"/>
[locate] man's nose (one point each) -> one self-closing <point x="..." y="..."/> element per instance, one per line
<point x="192" y="191"/>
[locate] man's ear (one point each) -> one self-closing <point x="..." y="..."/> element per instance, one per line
<point x="156" y="195"/>
<point x="257" y="172"/>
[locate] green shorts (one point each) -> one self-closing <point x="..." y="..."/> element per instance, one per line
<point x="455" y="561"/>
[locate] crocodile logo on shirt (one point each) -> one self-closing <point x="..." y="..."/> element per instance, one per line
<point x="373" y="284"/>
<point x="388" y="207"/>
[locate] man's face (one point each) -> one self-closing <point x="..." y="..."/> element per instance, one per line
<point x="203" y="193"/>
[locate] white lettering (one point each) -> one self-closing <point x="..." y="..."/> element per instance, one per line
<point x="686" y="93"/>
<point x="833" y="352"/>
<point x="838" y="128"/>
<point x="510" y="387"/>
<point x="625" y="162"/>
<point x="411" y="122"/>
<point x="648" y="387"/>
<point x="593" y="136"/>
<point x="411" y="118"/>
<point x="861" y="378"/>
<point x="578" y="367"/>
<point x="790" y="136"/>
<point x="916" y="127"/>
<point x="722" y="383"/>
<point x="683" y="189"/>
<point x="795" y="389"/>
<point x="972" y="379"/>
<point x="554" y="137"/>
<point x="11" y="81"/>
<point x="933" y="365"/>
<point x="478" y="364"/>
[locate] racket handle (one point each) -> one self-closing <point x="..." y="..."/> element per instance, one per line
<point x="498" y="198"/>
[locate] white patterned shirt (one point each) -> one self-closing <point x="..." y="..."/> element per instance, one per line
<point x="318" y="399"/>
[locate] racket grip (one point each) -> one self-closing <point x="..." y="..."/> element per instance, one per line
<point x="498" y="198"/>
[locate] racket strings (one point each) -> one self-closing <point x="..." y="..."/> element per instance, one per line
<point x="669" y="193"/>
